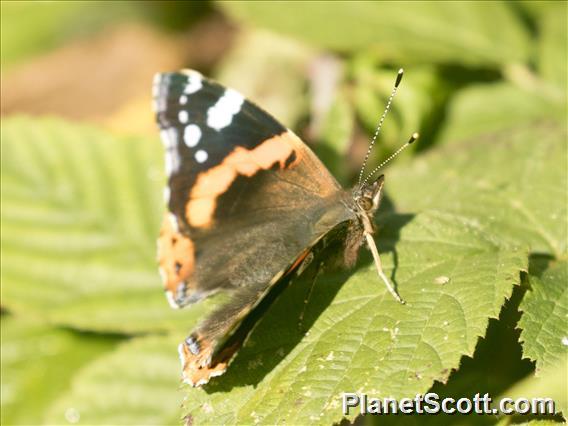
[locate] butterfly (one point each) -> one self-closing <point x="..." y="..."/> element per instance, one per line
<point x="247" y="203"/>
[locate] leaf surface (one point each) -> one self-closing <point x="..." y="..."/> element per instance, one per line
<point x="544" y="322"/>
<point x="134" y="385"/>
<point x="485" y="108"/>
<point x="39" y="363"/>
<point x="474" y="33"/>
<point x="80" y="215"/>
<point x="511" y="184"/>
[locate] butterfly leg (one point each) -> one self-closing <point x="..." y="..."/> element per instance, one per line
<point x="378" y="265"/>
<point x="309" y="295"/>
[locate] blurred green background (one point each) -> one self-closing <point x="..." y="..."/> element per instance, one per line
<point x="87" y="336"/>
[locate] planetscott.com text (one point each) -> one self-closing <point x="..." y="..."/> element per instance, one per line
<point x="431" y="403"/>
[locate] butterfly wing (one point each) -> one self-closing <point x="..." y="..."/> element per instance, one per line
<point x="246" y="198"/>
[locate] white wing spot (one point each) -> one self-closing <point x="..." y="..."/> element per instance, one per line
<point x="167" y="195"/>
<point x="183" y="116"/>
<point x="183" y="99"/>
<point x="200" y="382"/>
<point x="163" y="274"/>
<point x="194" y="82"/>
<point x="173" y="221"/>
<point x="201" y="156"/>
<point x="171" y="300"/>
<point x="169" y="138"/>
<point x="191" y="135"/>
<point x="172" y="161"/>
<point x="221" y="114"/>
<point x="181" y="354"/>
<point x="156" y="84"/>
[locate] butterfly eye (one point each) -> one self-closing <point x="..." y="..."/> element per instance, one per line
<point x="365" y="203"/>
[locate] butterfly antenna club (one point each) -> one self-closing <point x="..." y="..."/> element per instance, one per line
<point x="412" y="139"/>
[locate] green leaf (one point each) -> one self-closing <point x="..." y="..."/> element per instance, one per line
<point x="80" y="215"/>
<point x="487" y="108"/>
<point x="536" y="9"/>
<point x="134" y="385"/>
<point x="472" y="33"/>
<point x="519" y="179"/>
<point x="550" y="19"/>
<point x="496" y="365"/>
<point x="553" y="46"/>
<point x="545" y="311"/>
<point x="510" y="185"/>
<point x="38" y="365"/>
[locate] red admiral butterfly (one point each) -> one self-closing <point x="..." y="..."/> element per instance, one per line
<point x="247" y="203"/>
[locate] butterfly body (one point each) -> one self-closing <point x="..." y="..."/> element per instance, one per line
<point x="247" y="204"/>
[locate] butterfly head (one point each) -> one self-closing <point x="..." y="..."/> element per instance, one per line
<point x="368" y="196"/>
<point x="366" y="200"/>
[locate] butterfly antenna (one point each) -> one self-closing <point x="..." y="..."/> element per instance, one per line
<point x="387" y="109"/>
<point x="413" y="138"/>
